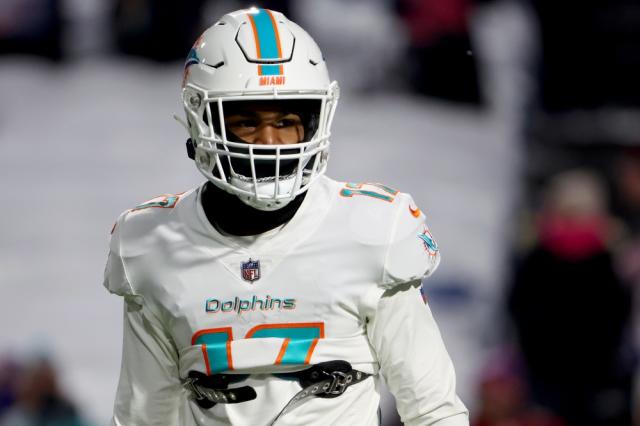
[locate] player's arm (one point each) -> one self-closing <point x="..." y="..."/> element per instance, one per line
<point x="149" y="390"/>
<point x="414" y="361"/>
<point x="404" y="334"/>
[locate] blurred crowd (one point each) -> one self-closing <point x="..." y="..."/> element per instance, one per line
<point x="30" y="395"/>
<point x="433" y="34"/>
<point x="569" y="354"/>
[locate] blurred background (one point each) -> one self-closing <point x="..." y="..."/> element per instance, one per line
<point x="514" y="124"/>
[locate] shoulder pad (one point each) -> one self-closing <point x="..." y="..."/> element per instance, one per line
<point x="115" y="277"/>
<point x="369" y="210"/>
<point x="141" y="223"/>
<point x="412" y="252"/>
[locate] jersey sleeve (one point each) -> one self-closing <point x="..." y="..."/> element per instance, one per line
<point x="115" y="276"/>
<point x="414" y="360"/>
<point x="149" y="389"/>
<point x="412" y="252"/>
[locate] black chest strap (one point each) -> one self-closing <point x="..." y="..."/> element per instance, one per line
<point x="325" y="380"/>
<point x="208" y="391"/>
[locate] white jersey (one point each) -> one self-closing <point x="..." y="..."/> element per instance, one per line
<point x="339" y="281"/>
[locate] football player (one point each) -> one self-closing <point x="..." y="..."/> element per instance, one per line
<point x="271" y="294"/>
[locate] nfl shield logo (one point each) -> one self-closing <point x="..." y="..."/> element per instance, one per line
<point x="250" y="270"/>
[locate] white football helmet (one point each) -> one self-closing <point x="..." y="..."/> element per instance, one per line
<point x="258" y="55"/>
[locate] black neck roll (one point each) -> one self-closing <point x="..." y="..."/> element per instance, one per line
<point x="229" y="215"/>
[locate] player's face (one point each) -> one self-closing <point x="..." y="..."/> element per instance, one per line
<point x="265" y="126"/>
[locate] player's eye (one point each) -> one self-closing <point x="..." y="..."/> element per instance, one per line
<point x="290" y="120"/>
<point x="244" y="124"/>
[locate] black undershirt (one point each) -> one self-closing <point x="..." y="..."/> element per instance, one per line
<point x="229" y="215"/>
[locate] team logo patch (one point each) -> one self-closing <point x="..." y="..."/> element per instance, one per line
<point x="250" y="270"/>
<point x="430" y="244"/>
